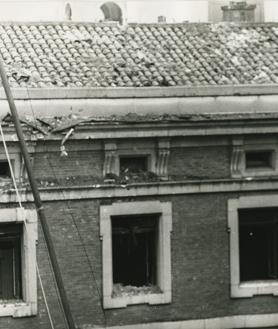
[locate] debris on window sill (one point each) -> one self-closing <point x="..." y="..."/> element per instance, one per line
<point x="10" y="301"/>
<point x="129" y="178"/>
<point x="119" y="290"/>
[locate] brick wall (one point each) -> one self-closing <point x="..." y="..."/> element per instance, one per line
<point x="199" y="162"/>
<point x="83" y="166"/>
<point x="200" y="267"/>
<point x="80" y="163"/>
<point x="200" y="247"/>
<point x="40" y="321"/>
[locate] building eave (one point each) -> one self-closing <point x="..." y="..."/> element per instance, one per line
<point x="142" y="92"/>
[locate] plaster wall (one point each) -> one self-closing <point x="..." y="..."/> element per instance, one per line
<point x="215" y="11"/>
<point x="84" y="10"/>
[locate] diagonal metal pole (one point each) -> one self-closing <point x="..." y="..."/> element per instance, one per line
<point x="37" y="200"/>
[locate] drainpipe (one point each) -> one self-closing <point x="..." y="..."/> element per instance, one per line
<point x="37" y="200"/>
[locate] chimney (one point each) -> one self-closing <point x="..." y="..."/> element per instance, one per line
<point x="161" y="19"/>
<point x="238" y="12"/>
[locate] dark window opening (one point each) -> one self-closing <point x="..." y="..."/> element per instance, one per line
<point x="10" y="261"/>
<point x="68" y="12"/>
<point x="258" y="244"/>
<point x="133" y="164"/>
<point x="134" y="245"/>
<point x="258" y="159"/>
<point x="4" y="169"/>
<point x="112" y="12"/>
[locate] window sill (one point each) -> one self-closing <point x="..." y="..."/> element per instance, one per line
<point x="17" y="309"/>
<point x="260" y="172"/>
<point x="124" y="301"/>
<point x="252" y="288"/>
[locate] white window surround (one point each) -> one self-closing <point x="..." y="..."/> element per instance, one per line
<point x="28" y="305"/>
<point x="272" y="170"/>
<point x="238" y="161"/>
<point x="164" y="209"/>
<point x="157" y="156"/>
<point x="248" y="288"/>
<point x="16" y="165"/>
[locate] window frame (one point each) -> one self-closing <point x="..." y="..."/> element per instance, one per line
<point x="146" y="157"/>
<point x="15" y="162"/>
<point x="157" y="152"/>
<point x="164" y="209"/>
<point x="238" y="160"/>
<point x="10" y="249"/>
<point x="148" y="154"/>
<point x="28" y="305"/>
<point x="247" y="288"/>
<point x="261" y="170"/>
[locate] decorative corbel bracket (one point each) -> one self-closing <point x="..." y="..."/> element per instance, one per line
<point x="110" y="154"/>
<point x="163" y="158"/>
<point x="237" y="157"/>
<point x="31" y="145"/>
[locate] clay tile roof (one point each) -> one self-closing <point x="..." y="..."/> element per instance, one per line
<point x="139" y="55"/>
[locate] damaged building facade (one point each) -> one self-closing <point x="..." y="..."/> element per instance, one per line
<point x="155" y="149"/>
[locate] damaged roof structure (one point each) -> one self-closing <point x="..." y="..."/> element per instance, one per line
<point x="155" y="150"/>
<point x="108" y="55"/>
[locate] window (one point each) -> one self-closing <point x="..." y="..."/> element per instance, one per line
<point x="10" y="264"/>
<point x="259" y="159"/>
<point x="133" y="164"/>
<point x="136" y="253"/>
<point x="252" y="158"/>
<point x="112" y="12"/>
<point x="137" y="156"/>
<point x="4" y="169"/>
<point x="134" y="241"/>
<point x="258" y="233"/>
<point x="5" y="173"/>
<point x="253" y="223"/>
<point x="68" y="12"/>
<point x="18" y="291"/>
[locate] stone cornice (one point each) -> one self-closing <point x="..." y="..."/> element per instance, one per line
<point x="146" y="189"/>
<point x="142" y="92"/>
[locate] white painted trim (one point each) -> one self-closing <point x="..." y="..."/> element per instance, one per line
<point x="240" y="148"/>
<point x="28" y="306"/>
<point x="113" y="151"/>
<point x="142" y="92"/>
<point x="247" y="289"/>
<point x="227" y="322"/>
<point x="164" y="209"/>
<point x="105" y="107"/>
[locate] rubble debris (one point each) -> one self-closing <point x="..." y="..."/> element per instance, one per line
<point x="119" y="290"/>
<point x="62" y="147"/>
<point x="139" y="55"/>
<point x="126" y="177"/>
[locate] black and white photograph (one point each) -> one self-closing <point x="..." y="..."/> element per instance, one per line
<point x="138" y="164"/>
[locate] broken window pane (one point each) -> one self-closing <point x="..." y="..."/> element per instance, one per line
<point x="133" y="164"/>
<point x="258" y="242"/>
<point x="10" y="261"/>
<point x="258" y="159"/>
<point x="134" y="244"/>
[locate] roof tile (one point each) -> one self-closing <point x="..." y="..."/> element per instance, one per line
<point x="99" y="55"/>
